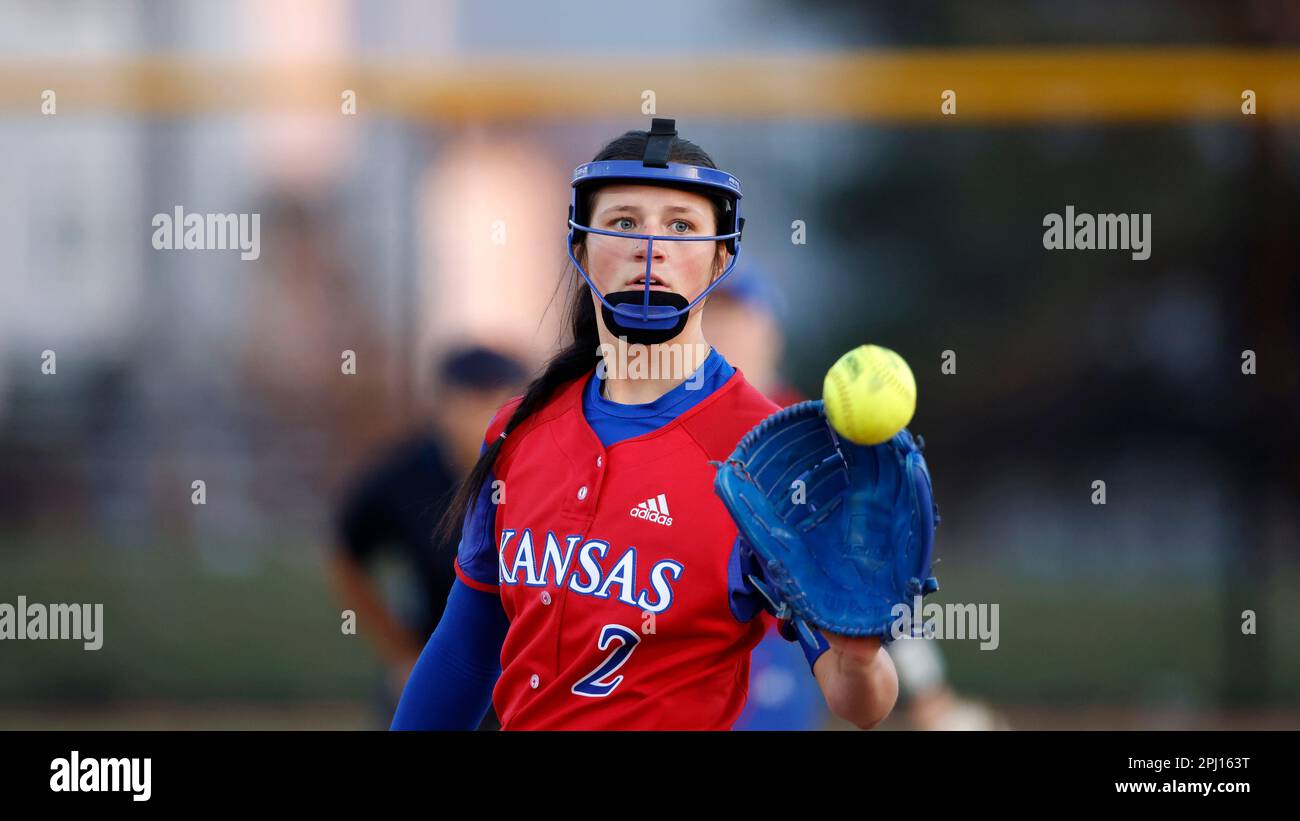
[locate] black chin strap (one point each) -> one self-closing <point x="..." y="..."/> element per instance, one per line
<point x="644" y="336"/>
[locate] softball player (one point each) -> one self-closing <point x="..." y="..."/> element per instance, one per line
<point x="600" y="584"/>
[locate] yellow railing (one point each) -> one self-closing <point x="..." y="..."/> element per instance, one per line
<point x="902" y="86"/>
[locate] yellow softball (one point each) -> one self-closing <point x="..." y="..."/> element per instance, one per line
<point x="870" y="395"/>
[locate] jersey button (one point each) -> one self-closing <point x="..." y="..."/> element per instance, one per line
<point x="546" y="597"/>
<point x="582" y="493"/>
<point x="534" y="681"/>
<point x="600" y="460"/>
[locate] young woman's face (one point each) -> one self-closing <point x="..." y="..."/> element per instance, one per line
<point x="618" y="264"/>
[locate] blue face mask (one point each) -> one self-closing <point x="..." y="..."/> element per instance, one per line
<point x="641" y="315"/>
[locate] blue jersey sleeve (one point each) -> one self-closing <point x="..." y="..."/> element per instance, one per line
<point x="746" y="602"/>
<point x="476" y="558"/>
<point x="450" y="687"/>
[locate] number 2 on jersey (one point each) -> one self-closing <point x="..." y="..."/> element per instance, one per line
<point x="593" y="684"/>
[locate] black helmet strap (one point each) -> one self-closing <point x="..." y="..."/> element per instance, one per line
<point x="660" y="143"/>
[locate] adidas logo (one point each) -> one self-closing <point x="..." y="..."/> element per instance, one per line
<point x="654" y="510"/>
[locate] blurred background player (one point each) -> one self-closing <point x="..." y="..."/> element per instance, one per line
<point x="744" y="323"/>
<point x="390" y="512"/>
<point x="929" y="699"/>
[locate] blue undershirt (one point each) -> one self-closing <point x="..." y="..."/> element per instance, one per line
<point x="615" y="422"/>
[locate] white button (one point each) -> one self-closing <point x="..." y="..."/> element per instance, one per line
<point x="582" y="493"/>
<point x="599" y="460"/>
<point x="534" y="681"/>
<point x="546" y="597"/>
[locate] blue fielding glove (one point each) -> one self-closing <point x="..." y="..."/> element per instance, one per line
<point x="842" y="532"/>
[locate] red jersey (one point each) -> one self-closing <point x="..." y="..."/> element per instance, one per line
<point x="616" y="569"/>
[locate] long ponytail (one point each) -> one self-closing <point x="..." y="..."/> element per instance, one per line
<point x="579" y="357"/>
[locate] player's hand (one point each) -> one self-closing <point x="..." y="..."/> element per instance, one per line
<point x="858" y="681"/>
<point x="859" y="649"/>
